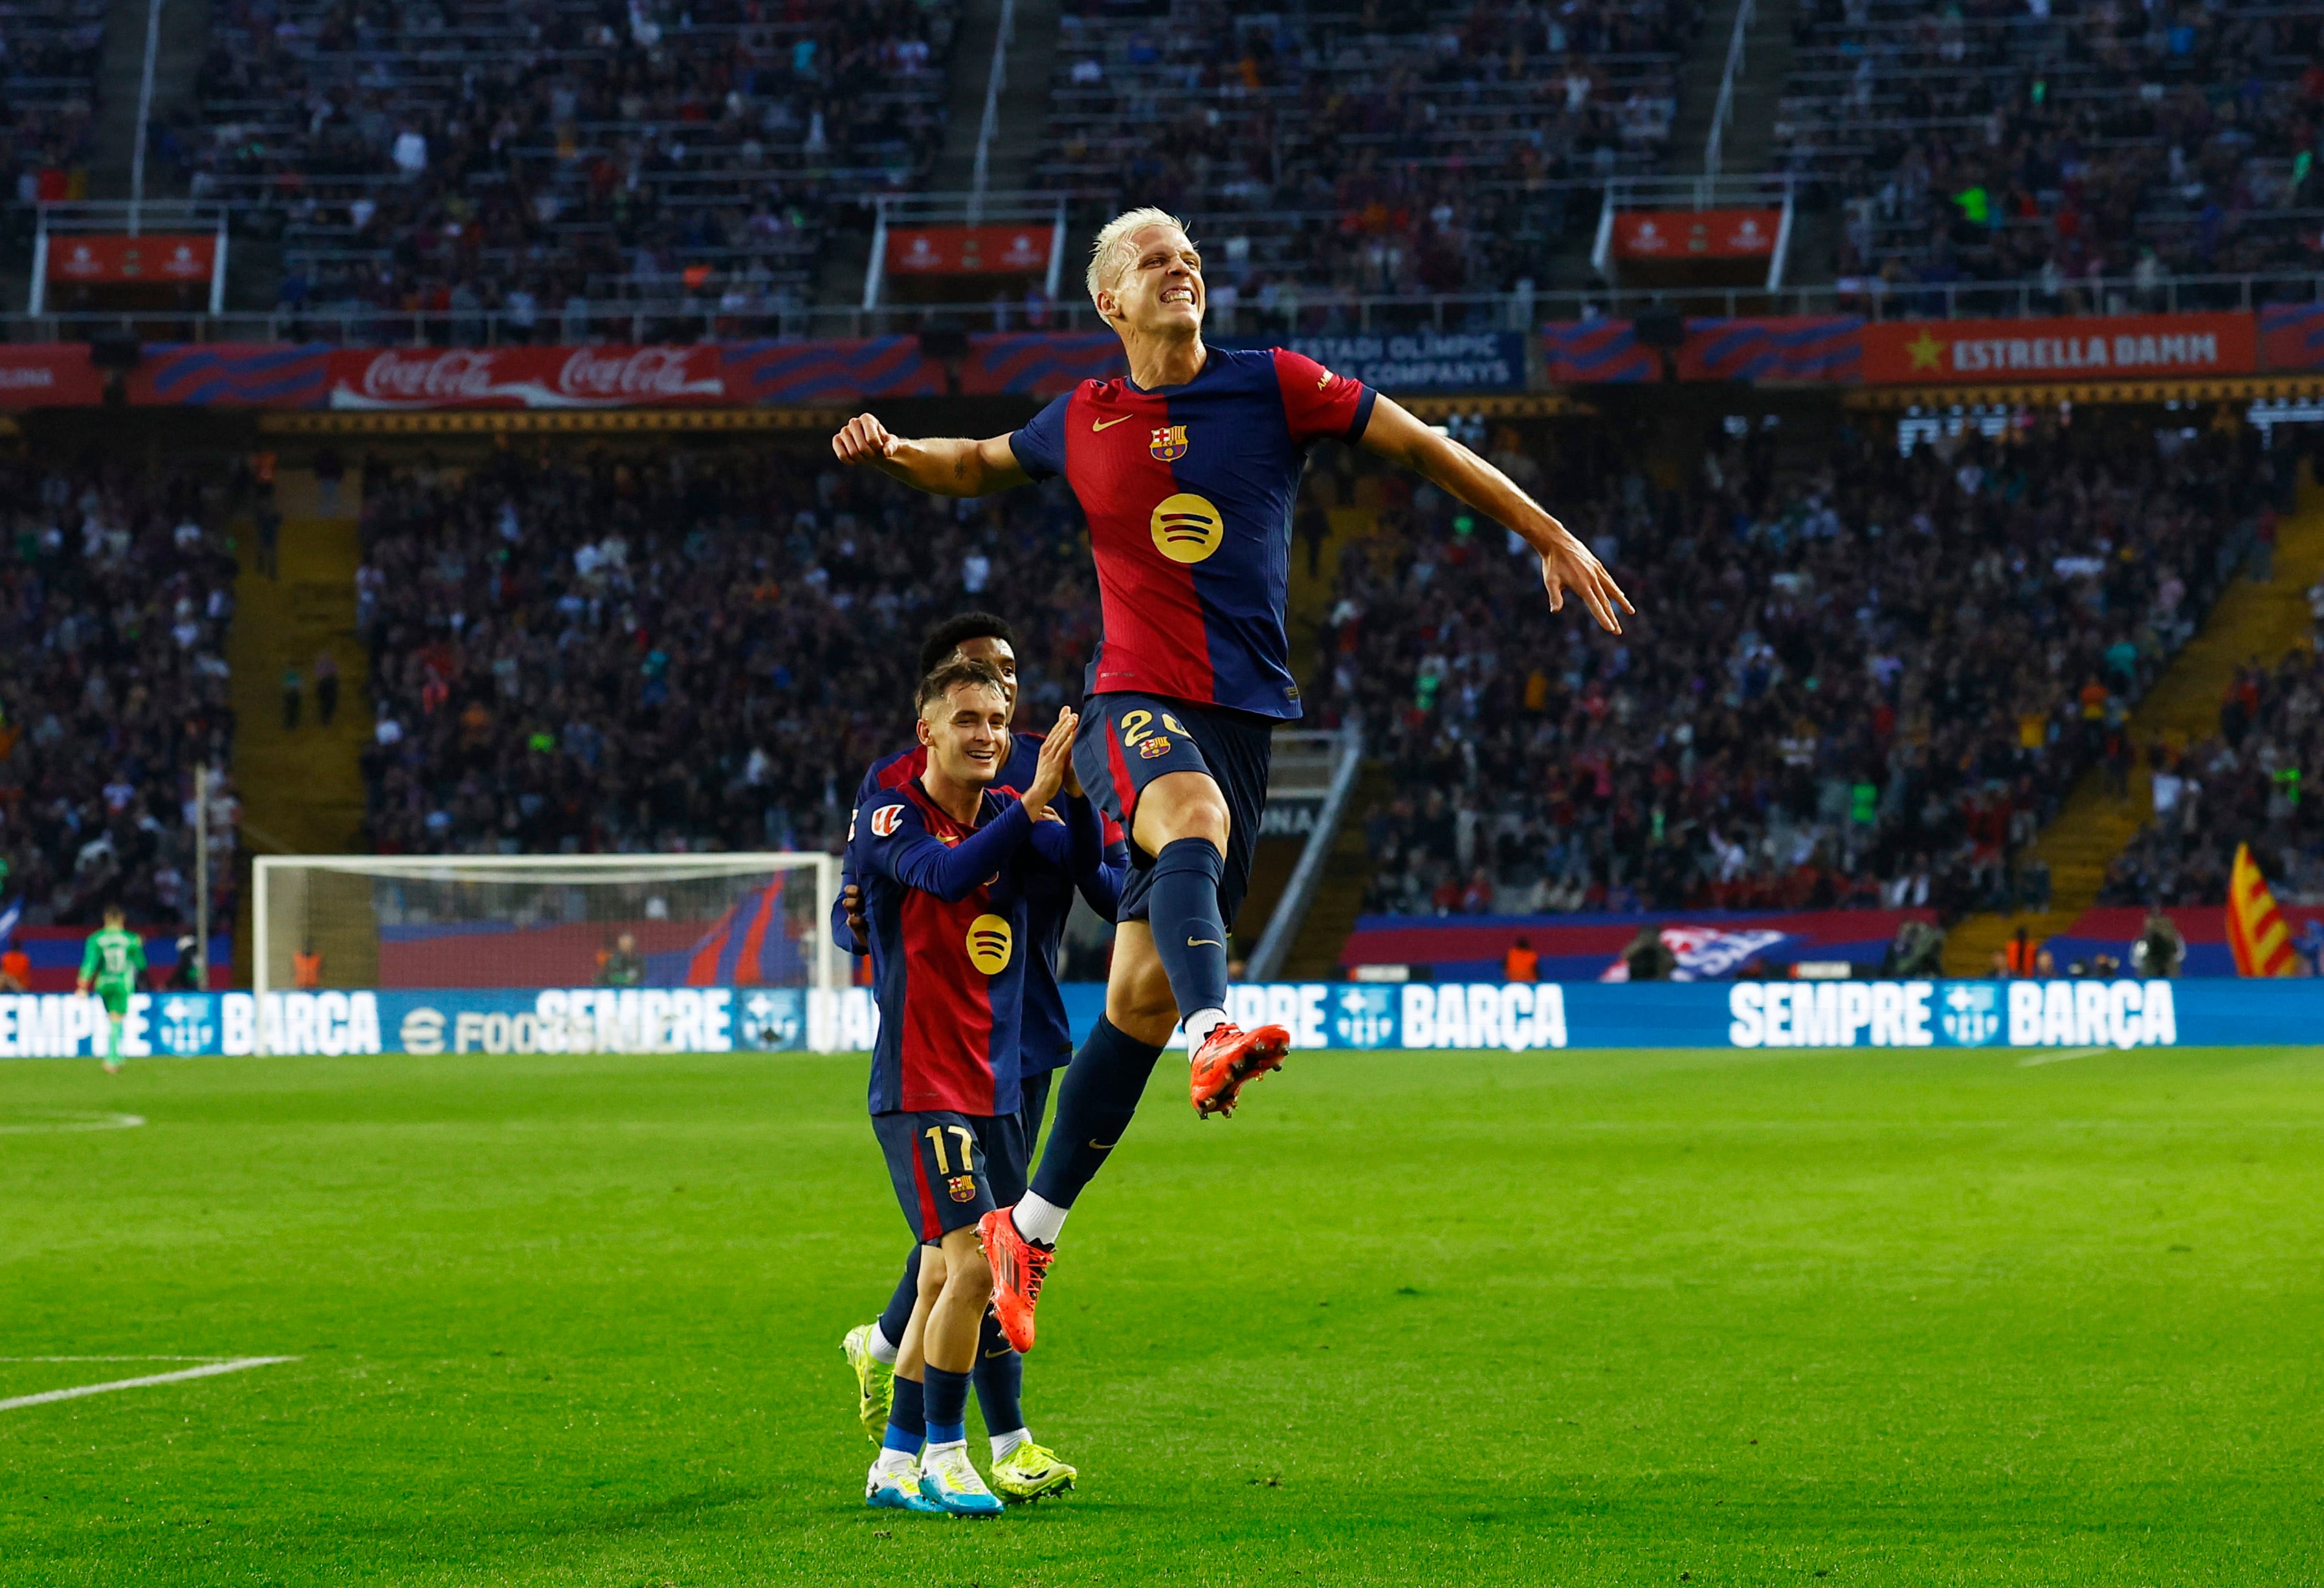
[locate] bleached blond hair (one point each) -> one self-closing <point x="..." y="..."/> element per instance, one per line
<point x="1113" y="239"/>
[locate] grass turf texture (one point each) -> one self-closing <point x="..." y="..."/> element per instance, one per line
<point x="1576" y="1318"/>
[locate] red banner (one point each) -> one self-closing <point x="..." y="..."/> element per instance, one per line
<point x="969" y="250"/>
<point x="531" y="377"/>
<point x="1696" y="233"/>
<point x="2100" y="348"/>
<point x="49" y="376"/>
<point x="112" y="261"/>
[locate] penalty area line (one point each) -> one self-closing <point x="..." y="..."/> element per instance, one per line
<point x="207" y="1371"/>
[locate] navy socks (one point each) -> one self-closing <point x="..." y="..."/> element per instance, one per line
<point x="1182" y="909"/>
<point x="947" y="1405"/>
<point x="907" y="1422"/>
<point x="1000" y="1380"/>
<point x="898" y="1316"/>
<point x="1095" y="1101"/>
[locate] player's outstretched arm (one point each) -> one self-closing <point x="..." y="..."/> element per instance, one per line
<point x="1566" y="564"/>
<point x="948" y="468"/>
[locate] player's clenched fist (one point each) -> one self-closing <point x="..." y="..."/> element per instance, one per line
<point x="864" y="439"/>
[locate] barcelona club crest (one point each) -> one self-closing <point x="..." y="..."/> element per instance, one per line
<point x="1169" y="443"/>
<point x="963" y="1187"/>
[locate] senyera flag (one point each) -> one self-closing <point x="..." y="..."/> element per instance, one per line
<point x="2256" y="930"/>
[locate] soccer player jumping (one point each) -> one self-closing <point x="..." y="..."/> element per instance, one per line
<point x="1187" y="472"/>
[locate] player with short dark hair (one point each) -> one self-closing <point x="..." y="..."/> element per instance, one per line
<point x="943" y="860"/>
<point x="1187" y="471"/>
<point x="1023" y="1468"/>
<point x="110" y="964"/>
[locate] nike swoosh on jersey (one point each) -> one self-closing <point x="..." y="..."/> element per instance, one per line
<point x="1107" y="424"/>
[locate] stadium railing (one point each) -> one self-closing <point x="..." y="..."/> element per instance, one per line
<point x="1321" y="311"/>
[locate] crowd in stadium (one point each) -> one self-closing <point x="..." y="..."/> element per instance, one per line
<point x="2255" y="781"/>
<point x="2055" y="144"/>
<point x="1423" y="149"/>
<point x="554" y="163"/>
<point x="585" y="652"/>
<point x="1868" y="687"/>
<point x="48" y="101"/>
<point x="115" y="592"/>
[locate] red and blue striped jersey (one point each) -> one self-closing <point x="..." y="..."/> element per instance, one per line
<point x="1045" y="1038"/>
<point x="946" y="907"/>
<point x="1189" y="492"/>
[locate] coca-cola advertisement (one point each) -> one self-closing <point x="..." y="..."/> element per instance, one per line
<point x="397" y="378"/>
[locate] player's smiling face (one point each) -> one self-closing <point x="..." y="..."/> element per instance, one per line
<point x="1160" y="289"/>
<point x="967" y="733"/>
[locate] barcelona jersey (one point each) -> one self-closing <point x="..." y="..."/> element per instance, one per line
<point x="1045" y="1038"/>
<point x="1189" y="490"/>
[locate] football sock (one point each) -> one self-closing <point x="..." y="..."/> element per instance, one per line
<point x="1000" y="1379"/>
<point x="947" y="1407"/>
<point x="907" y="1422"/>
<point x="1183" y="910"/>
<point x="1199" y="1025"/>
<point x="1095" y="1102"/>
<point x="1003" y="1444"/>
<point x="888" y="1334"/>
<point x="882" y="1349"/>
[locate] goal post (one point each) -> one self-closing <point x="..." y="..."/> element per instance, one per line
<point x="634" y="926"/>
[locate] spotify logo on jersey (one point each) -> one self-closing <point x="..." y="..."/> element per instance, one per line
<point x="989" y="943"/>
<point x="1187" y="528"/>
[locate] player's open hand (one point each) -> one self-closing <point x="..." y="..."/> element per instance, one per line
<point x="1568" y="564"/>
<point x="1056" y="760"/>
<point x="864" y="439"/>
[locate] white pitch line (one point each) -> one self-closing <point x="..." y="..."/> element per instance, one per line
<point x="155" y="1357"/>
<point x="208" y="1371"/>
<point x="102" y="1121"/>
<point x="2028" y="1063"/>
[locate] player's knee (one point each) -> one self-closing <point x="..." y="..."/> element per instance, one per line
<point x="970" y="1276"/>
<point x="1184" y="805"/>
<point x="932" y="1273"/>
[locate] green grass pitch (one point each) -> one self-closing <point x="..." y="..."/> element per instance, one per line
<point x="1887" y="1318"/>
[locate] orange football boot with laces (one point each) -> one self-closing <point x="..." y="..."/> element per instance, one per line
<point x="1019" y="1267"/>
<point x="1229" y="1057"/>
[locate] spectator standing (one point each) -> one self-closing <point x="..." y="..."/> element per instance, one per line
<point x="327" y="686"/>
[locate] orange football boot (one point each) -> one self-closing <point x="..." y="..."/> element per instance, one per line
<point x="1019" y="1267"/>
<point x="1229" y="1057"/>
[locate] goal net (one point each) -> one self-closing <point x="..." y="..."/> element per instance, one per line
<point x="566" y="952"/>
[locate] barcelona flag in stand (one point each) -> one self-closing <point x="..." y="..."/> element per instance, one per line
<point x="748" y="947"/>
<point x="2256" y="930"/>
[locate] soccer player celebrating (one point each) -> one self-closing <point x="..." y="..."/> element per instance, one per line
<point x="111" y="962"/>
<point x="1023" y="1468"/>
<point x="1187" y="471"/>
<point x="943" y="859"/>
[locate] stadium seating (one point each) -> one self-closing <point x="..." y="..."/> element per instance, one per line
<point x="2257" y="781"/>
<point x="48" y="100"/>
<point x="1869" y="685"/>
<point x="555" y="161"/>
<point x="1390" y="149"/>
<point x="2053" y="142"/>
<point x="576" y="653"/>
<point x="114" y="598"/>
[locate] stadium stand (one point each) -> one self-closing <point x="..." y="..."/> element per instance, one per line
<point x="583" y="653"/>
<point x="2058" y="142"/>
<point x="48" y="103"/>
<point x="115" y="592"/>
<point x="2255" y="781"/>
<point x="547" y="165"/>
<point x="1383" y="150"/>
<point x="1866" y="685"/>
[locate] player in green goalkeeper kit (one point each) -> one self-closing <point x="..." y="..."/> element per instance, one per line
<point x="111" y="964"/>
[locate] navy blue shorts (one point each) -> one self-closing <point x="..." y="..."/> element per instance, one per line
<point x="1127" y="741"/>
<point x="950" y="1170"/>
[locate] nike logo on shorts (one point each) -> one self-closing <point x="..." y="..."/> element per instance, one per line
<point x="1107" y="424"/>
